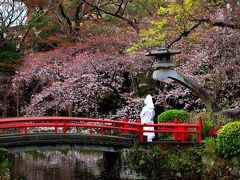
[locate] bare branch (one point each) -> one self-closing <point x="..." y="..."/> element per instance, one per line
<point x="64" y="15"/>
<point x="185" y="33"/>
<point x="119" y="7"/>
<point x="132" y="23"/>
<point x="220" y="24"/>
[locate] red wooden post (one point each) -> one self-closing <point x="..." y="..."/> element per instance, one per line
<point x="91" y="131"/>
<point x="25" y="131"/>
<point x="19" y="130"/>
<point x="176" y="135"/>
<point x="102" y="131"/>
<point x="65" y="127"/>
<point x="184" y="134"/>
<point x="199" y="130"/>
<point x="140" y="128"/>
<point x="56" y="127"/>
<point x="212" y="131"/>
<point x="125" y="125"/>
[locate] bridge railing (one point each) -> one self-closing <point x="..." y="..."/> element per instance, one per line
<point x="180" y="131"/>
<point x="213" y="131"/>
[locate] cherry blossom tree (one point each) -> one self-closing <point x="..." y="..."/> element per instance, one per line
<point x="85" y="80"/>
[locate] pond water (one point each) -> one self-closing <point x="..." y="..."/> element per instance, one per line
<point x="57" y="165"/>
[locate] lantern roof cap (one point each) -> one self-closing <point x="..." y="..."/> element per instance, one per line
<point x="163" y="52"/>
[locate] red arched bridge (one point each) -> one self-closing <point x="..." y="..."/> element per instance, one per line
<point x="114" y="134"/>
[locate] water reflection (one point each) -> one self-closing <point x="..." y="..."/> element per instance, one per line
<point x="56" y="164"/>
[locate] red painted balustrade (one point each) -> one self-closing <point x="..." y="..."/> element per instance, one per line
<point x="180" y="131"/>
<point x="213" y="131"/>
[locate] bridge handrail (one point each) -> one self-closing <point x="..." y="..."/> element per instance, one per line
<point x="213" y="131"/>
<point x="180" y="130"/>
<point x="10" y="120"/>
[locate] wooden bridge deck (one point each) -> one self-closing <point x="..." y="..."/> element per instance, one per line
<point x="20" y="142"/>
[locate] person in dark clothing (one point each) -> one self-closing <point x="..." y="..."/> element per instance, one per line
<point x="158" y="110"/>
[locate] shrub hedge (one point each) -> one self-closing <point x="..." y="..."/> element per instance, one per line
<point x="170" y="115"/>
<point x="228" y="139"/>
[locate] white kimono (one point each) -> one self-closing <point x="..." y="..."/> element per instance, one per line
<point x="147" y="114"/>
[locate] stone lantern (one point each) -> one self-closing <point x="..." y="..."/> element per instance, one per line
<point x="164" y="68"/>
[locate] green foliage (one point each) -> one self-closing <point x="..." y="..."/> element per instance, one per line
<point x="218" y="166"/>
<point x="4" y="163"/>
<point x="175" y="20"/>
<point x="217" y="118"/>
<point x="210" y="160"/>
<point x="43" y="38"/>
<point x="36" y="154"/>
<point x="38" y="21"/>
<point x="209" y="119"/>
<point x="209" y="146"/>
<point x="155" y="162"/>
<point x="95" y="29"/>
<point x="137" y="159"/>
<point x="112" y="19"/>
<point x="140" y="8"/>
<point x="44" y="46"/>
<point x="3" y="155"/>
<point x="187" y="161"/>
<point x="146" y="162"/>
<point x="228" y="139"/>
<point x="192" y="162"/>
<point x="4" y="170"/>
<point x="170" y="115"/>
<point x="151" y="38"/>
<point x="206" y="128"/>
<point x="8" y="51"/>
<point x="9" y="57"/>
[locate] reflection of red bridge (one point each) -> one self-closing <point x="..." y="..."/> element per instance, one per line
<point x="180" y="131"/>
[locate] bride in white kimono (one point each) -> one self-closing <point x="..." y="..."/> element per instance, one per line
<point x="147" y="114"/>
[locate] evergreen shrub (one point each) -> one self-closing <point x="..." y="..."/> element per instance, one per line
<point x="170" y="115"/>
<point x="206" y="128"/>
<point x="207" y="121"/>
<point x="8" y="52"/>
<point x="3" y="154"/>
<point x="228" y="139"/>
